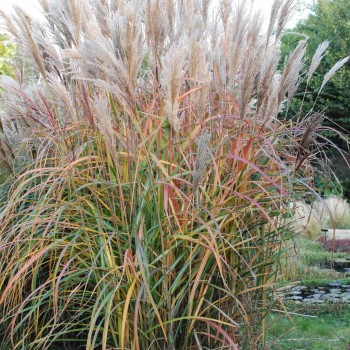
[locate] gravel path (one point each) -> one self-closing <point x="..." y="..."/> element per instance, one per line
<point x="339" y="234"/>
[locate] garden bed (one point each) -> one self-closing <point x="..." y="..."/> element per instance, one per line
<point x="336" y="245"/>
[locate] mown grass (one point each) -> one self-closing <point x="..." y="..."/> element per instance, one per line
<point x="326" y="329"/>
<point x="311" y="326"/>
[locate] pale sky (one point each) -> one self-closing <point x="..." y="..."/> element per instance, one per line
<point x="32" y="6"/>
<point x="29" y="5"/>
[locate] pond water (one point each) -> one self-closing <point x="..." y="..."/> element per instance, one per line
<point x="333" y="292"/>
<point x="338" y="265"/>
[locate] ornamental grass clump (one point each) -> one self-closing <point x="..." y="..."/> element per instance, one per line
<point x="159" y="168"/>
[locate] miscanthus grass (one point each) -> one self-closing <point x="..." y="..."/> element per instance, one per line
<point x="153" y="170"/>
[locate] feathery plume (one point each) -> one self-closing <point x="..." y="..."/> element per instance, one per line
<point x="291" y="72"/>
<point x="104" y="122"/>
<point x="275" y="9"/>
<point x="309" y="126"/>
<point x="26" y="32"/>
<point x="174" y="65"/>
<point x="155" y="26"/>
<point x="333" y="70"/>
<point x="225" y="11"/>
<point x="205" y="9"/>
<point x="316" y="59"/>
<point x="287" y="9"/>
<point x="268" y="68"/>
<point x="202" y="159"/>
<point x="9" y="24"/>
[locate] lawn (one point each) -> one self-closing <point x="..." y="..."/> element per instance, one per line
<point x="153" y="160"/>
<point x="311" y="326"/>
<point x="325" y="328"/>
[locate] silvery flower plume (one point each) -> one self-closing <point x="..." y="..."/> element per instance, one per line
<point x="202" y="159"/>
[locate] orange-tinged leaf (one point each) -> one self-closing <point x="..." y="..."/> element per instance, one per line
<point x="246" y="154"/>
<point x="189" y="92"/>
<point x="235" y="107"/>
<point x="232" y="344"/>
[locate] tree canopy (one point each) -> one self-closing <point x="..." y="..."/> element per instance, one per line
<point x="6" y="54"/>
<point x="329" y="21"/>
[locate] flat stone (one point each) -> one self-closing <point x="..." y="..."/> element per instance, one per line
<point x="317" y="291"/>
<point x="295" y="297"/>
<point x="295" y="292"/>
<point x="335" y="284"/>
<point x="334" y="295"/>
<point x="346" y="299"/>
<point x="331" y="299"/>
